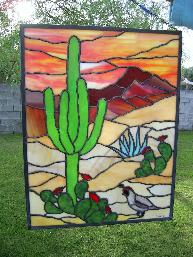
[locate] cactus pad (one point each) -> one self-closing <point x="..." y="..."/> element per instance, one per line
<point x="50" y="208"/>
<point x="149" y="156"/>
<point x="160" y="165"/>
<point x="111" y="217"/>
<point x="48" y="196"/>
<point x="165" y="150"/>
<point x="65" y="203"/>
<point x="102" y="204"/>
<point x="82" y="208"/>
<point x="81" y="188"/>
<point x="96" y="218"/>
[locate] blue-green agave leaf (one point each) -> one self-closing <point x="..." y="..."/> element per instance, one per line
<point x="137" y="142"/>
<point x="131" y="144"/>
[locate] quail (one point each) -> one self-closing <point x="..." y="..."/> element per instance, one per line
<point x="136" y="202"/>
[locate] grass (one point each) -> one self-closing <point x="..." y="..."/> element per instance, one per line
<point x="159" y="239"/>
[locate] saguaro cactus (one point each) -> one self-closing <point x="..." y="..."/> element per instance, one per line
<point x="71" y="136"/>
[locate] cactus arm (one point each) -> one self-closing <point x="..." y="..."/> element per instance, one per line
<point x="73" y="71"/>
<point x="63" y="123"/>
<point x="98" y="124"/>
<point x="83" y="115"/>
<point x="50" y="119"/>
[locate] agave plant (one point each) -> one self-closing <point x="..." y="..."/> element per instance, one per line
<point x="130" y="147"/>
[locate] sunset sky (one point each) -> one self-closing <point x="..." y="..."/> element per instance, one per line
<point x="105" y="56"/>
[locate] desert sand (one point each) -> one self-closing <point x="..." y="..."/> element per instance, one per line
<point x="160" y="111"/>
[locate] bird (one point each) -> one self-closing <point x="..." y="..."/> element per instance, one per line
<point x="136" y="202"/>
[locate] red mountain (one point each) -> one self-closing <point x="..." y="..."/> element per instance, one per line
<point x="108" y="93"/>
<point x="138" y="89"/>
<point x="139" y="102"/>
<point x="156" y="82"/>
<point x="135" y="82"/>
<point x="141" y="90"/>
<point x="133" y="73"/>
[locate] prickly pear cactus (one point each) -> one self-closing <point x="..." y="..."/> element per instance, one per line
<point x="154" y="165"/>
<point x="92" y="209"/>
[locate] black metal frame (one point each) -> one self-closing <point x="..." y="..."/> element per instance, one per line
<point x="46" y="26"/>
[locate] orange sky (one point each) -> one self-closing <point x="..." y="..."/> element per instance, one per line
<point x="108" y="53"/>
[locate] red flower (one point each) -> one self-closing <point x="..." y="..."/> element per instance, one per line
<point x="146" y="149"/>
<point x="58" y="190"/>
<point x="86" y="177"/>
<point x="162" y="138"/>
<point x="94" y="197"/>
<point x="108" y="209"/>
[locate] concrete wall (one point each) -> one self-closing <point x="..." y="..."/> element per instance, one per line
<point x="10" y="109"/>
<point x="186" y="110"/>
<point x="11" y="115"/>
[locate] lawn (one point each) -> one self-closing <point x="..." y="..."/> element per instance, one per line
<point x="159" y="239"/>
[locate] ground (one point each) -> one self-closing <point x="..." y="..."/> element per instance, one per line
<point x="169" y="239"/>
<point x="106" y="168"/>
